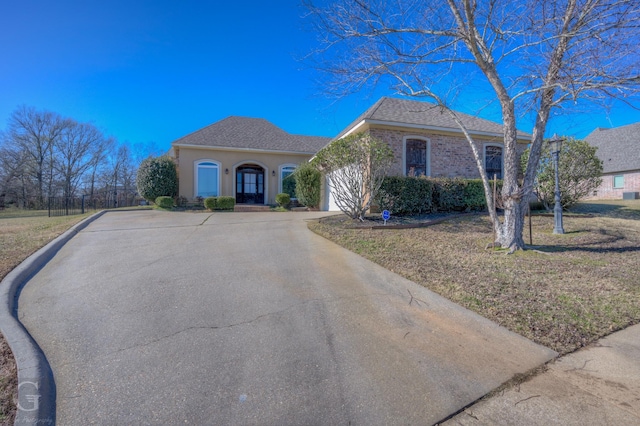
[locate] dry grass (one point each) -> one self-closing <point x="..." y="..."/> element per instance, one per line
<point x="570" y="291"/>
<point x="20" y="236"/>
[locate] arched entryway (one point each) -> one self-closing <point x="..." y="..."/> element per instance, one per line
<point x="249" y="184"/>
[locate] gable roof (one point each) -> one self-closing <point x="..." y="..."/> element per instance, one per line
<point x="252" y="134"/>
<point x="618" y="148"/>
<point x="424" y="115"/>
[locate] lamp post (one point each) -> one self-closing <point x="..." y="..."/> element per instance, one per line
<point x="556" y="145"/>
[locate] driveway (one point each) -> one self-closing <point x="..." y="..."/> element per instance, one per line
<point x="151" y="317"/>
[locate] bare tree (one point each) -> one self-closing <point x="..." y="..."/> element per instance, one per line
<point x="34" y="133"/>
<point x="76" y="151"/>
<point x="530" y="57"/>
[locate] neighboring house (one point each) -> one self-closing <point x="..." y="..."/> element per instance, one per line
<point x="427" y="141"/>
<point x="246" y="158"/>
<point x="619" y="150"/>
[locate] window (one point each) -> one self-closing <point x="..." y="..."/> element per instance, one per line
<point x="618" y="181"/>
<point x="287" y="182"/>
<point x="207" y="179"/>
<point x="493" y="161"/>
<point x="415" y="154"/>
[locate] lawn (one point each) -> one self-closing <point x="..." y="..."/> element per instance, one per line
<point x="21" y="234"/>
<point x="567" y="292"/>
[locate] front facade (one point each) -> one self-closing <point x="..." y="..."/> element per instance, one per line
<point x="249" y="158"/>
<point x="619" y="150"/>
<point x="426" y="141"/>
<point x="246" y="158"/>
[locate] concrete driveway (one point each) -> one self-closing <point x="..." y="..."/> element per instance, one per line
<point x="151" y="317"/>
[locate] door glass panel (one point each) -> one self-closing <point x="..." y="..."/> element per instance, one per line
<point x="239" y="182"/>
<point x="249" y="183"/>
<point x="260" y="183"/>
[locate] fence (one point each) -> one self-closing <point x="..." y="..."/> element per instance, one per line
<point x="65" y="206"/>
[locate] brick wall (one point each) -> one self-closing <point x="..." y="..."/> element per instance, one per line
<point x="450" y="156"/>
<point x="606" y="191"/>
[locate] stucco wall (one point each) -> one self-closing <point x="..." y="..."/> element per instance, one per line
<point x="187" y="156"/>
<point x="449" y="155"/>
<point x="607" y="191"/>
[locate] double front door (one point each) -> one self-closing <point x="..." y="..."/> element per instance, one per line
<point x="250" y="185"/>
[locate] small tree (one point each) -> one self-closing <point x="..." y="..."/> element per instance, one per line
<point x="355" y="167"/>
<point x="579" y="173"/>
<point x="157" y="176"/>
<point x="308" y="180"/>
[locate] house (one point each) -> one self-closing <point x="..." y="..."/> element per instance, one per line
<point x="246" y="158"/>
<point x="619" y="150"/>
<point x="426" y="141"/>
<point x="249" y="158"/>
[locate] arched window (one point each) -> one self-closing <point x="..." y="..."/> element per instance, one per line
<point x="493" y="161"/>
<point x="287" y="182"/>
<point x="416" y="157"/>
<point x="207" y="178"/>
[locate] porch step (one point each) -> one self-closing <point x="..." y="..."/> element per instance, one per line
<point x="250" y="208"/>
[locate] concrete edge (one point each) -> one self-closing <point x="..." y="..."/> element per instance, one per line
<point x="35" y="377"/>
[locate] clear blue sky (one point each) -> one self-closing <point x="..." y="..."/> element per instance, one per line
<point x="156" y="70"/>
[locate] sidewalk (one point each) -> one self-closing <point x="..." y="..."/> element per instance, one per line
<point x="598" y="385"/>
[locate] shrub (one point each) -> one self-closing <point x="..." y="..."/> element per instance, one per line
<point x="406" y="195"/>
<point x="283" y="199"/>
<point x="210" y="203"/>
<point x="164" y="202"/>
<point x="473" y="193"/>
<point x="415" y="195"/>
<point x="156" y="177"/>
<point x="308" y="184"/>
<point x="579" y="172"/>
<point x="225" y="202"/>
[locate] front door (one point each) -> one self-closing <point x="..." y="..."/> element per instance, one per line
<point x="250" y="185"/>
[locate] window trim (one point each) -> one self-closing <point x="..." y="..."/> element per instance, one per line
<point x="196" y="167"/>
<point x="614" y="182"/>
<point x="484" y="158"/>
<point x="280" y="170"/>
<point x="404" y="153"/>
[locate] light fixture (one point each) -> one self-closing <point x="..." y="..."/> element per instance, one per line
<point x="555" y="144"/>
<point x="273" y="172"/>
<point x="226" y="171"/>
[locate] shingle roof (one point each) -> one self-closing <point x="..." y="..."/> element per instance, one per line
<point x="417" y="113"/>
<point x="618" y="148"/>
<point x="252" y="133"/>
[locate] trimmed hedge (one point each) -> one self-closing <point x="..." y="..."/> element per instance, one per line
<point x="405" y="195"/>
<point x="164" y="202"/>
<point x="225" y="202"/>
<point x="210" y="203"/>
<point x="283" y="199"/>
<point x="222" y="202"/>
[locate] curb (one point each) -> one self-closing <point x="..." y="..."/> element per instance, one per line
<point x="36" y="387"/>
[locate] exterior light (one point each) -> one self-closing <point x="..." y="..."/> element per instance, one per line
<point x="555" y="144"/>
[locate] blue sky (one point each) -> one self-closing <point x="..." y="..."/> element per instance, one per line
<point x="153" y="71"/>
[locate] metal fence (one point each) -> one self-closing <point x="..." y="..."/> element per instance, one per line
<point x="65" y="206"/>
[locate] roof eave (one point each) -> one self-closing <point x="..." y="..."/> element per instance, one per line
<point x="426" y="127"/>
<point x="235" y="149"/>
